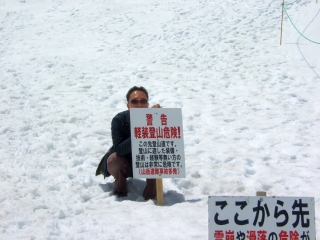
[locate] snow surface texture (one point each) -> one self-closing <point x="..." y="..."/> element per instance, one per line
<point x="251" y="111"/>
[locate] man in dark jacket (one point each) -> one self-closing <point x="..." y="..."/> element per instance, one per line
<point x="118" y="160"/>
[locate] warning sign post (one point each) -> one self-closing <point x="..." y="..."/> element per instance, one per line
<point x="157" y="143"/>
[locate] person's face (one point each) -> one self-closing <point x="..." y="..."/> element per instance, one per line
<point x="138" y="99"/>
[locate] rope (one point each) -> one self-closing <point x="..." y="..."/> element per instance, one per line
<point x="296" y="27"/>
<point x="298" y="45"/>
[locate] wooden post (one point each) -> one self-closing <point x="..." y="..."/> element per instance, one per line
<point x="281" y="23"/>
<point x="160" y="200"/>
<point x="261" y="193"/>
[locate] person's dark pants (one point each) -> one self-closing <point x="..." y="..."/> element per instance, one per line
<point x="120" y="168"/>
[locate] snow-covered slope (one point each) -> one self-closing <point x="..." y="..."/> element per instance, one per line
<point x="250" y="108"/>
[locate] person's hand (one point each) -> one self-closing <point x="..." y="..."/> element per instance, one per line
<point x="156" y="106"/>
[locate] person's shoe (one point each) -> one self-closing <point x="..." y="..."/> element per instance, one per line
<point x="149" y="191"/>
<point x="120" y="194"/>
<point x="149" y="197"/>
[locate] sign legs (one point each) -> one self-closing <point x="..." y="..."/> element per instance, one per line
<point x="160" y="200"/>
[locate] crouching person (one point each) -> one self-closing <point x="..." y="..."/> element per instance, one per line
<point x="118" y="160"/>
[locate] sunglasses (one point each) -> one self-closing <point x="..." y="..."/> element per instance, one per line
<point x="135" y="101"/>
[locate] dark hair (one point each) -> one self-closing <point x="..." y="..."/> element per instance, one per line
<point x="135" y="88"/>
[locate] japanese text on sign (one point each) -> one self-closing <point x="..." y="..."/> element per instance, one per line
<point x="157" y="142"/>
<point x="260" y="218"/>
<point x="159" y="132"/>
